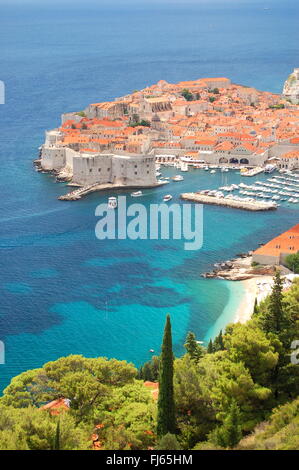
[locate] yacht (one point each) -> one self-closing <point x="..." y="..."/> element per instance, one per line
<point x="178" y="178"/>
<point x="167" y="197"/>
<point x="112" y="203"/>
<point x="136" y="194"/>
<point x="213" y="171"/>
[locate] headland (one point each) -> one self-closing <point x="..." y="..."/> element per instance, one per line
<point x="209" y="121"/>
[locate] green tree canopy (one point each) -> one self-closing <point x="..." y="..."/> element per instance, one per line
<point x="292" y="262"/>
<point x="85" y="381"/>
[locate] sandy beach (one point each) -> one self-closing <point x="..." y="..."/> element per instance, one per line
<point x="258" y="287"/>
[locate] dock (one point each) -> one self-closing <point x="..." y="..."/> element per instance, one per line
<point x="252" y="171"/>
<point x="82" y="191"/>
<point x="231" y="203"/>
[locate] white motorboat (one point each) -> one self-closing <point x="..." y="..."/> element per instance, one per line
<point x="178" y="178"/>
<point x="167" y="197"/>
<point x="270" y="168"/>
<point x="136" y="194"/>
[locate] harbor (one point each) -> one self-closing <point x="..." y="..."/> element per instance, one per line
<point x="80" y="192"/>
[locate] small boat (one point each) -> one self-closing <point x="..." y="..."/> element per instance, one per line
<point x="151" y="350"/>
<point x="167" y="197"/>
<point x="178" y="178"/>
<point x="206" y="168"/>
<point x="136" y="194"/>
<point x="213" y="171"/>
<point x="184" y="166"/>
<point x="269" y="168"/>
<point x="112" y="203"/>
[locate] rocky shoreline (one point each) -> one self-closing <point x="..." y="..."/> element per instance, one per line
<point x="60" y="177"/>
<point x="238" y="269"/>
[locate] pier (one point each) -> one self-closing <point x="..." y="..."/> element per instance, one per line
<point x="80" y="192"/>
<point x="252" y="171"/>
<point x="234" y="204"/>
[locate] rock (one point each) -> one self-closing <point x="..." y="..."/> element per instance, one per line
<point x="291" y="87"/>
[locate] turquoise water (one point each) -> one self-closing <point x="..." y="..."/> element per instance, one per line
<point x="62" y="290"/>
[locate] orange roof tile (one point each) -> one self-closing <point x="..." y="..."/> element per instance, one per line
<point x="287" y="242"/>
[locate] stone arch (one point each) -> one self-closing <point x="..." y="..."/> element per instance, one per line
<point x="234" y="160"/>
<point x="244" y="161"/>
<point x="223" y="160"/>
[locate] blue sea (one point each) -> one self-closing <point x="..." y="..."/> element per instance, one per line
<point x="63" y="291"/>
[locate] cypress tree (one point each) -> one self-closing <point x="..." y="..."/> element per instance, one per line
<point x="255" y="308"/>
<point x="218" y="344"/>
<point x="210" y="349"/>
<point x="57" y="437"/>
<point x="272" y="318"/>
<point x="166" y="408"/>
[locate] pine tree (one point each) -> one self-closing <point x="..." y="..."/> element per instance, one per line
<point x="168" y="442"/>
<point x="230" y="434"/>
<point x="192" y="347"/>
<point x="166" y="408"/>
<point x="276" y="320"/>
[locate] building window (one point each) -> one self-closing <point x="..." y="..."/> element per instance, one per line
<point x="90" y="171"/>
<point x="135" y="166"/>
<point x="108" y="169"/>
<point x="99" y="170"/>
<point x="135" y="172"/>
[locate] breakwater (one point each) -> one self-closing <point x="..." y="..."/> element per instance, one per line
<point x="235" y="204"/>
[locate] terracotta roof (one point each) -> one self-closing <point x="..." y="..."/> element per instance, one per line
<point x="154" y="387"/>
<point x="286" y="243"/>
<point x="293" y="154"/>
<point x="55" y="407"/>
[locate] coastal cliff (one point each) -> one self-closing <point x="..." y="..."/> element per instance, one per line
<point x="291" y="87"/>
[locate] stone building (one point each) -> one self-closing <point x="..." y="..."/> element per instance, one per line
<point x="88" y="166"/>
<point x="275" y="251"/>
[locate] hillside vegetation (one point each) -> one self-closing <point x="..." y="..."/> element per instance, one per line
<point x="241" y="392"/>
